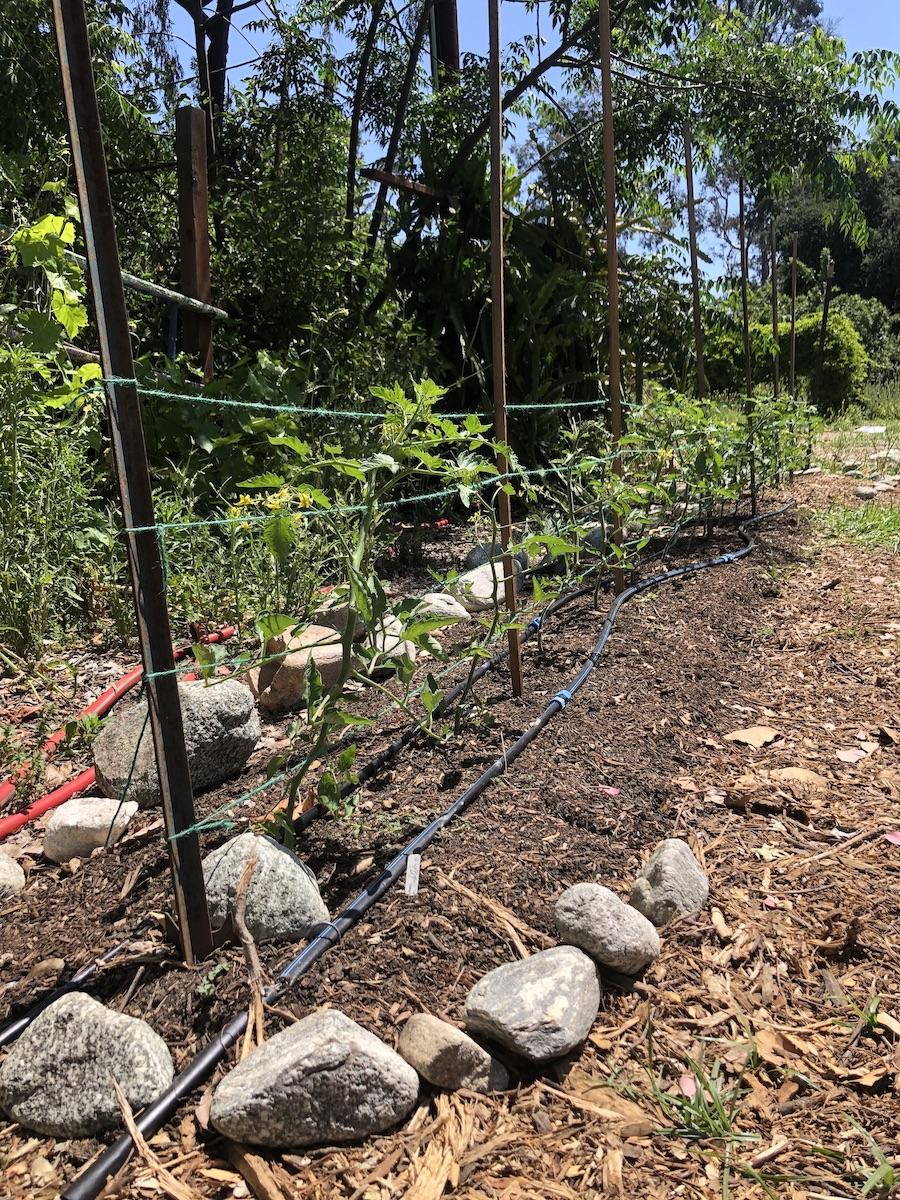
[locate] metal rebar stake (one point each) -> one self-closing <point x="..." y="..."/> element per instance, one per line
<point x="748" y="361"/>
<point x="132" y="473"/>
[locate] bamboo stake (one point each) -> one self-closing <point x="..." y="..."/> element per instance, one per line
<point x="748" y="363"/>
<point x="612" y="262"/>
<point x="498" y="334"/>
<point x="776" y="358"/>
<point x="695" y="271"/>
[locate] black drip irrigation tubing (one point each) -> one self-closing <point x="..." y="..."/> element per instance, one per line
<point x="91" y="1181"/>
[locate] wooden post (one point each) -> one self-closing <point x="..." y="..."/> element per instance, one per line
<point x="193" y="230"/>
<point x="612" y="261"/>
<point x="695" y="270"/>
<point x="748" y="361"/>
<point x="776" y="359"/>
<point x="792" y="366"/>
<point x="446" y="40"/>
<point x="498" y="333"/>
<point x="823" y="330"/>
<point x="132" y="474"/>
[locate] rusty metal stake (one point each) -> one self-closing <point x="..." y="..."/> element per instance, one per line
<point x="695" y="270"/>
<point x="612" y="263"/>
<point x="193" y="230"/>
<point x="748" y="362"/>
<point x="776" y="358"/>
<point x="498" y="334"/>
<point x="132" y="474"/>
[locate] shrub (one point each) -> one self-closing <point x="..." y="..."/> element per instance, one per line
<point x="844" y="368"/>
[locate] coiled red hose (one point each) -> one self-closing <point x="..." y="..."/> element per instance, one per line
<point x="85" y="779"/>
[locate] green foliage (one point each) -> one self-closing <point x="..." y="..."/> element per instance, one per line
<point x="55" y="528"/>
<point x="840" y="382"/>
<point x="207" y="987"/>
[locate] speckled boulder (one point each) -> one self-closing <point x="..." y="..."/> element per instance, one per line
<point x="613" y="933"/>
<point x="324" y="1079"/>
<point x="440" y="604"/>
<point x="221" y="729"/>
<point x="56" y="1078"/>
<point x="671" y="884"/>
<point x="283" y="901"/>
<point x="485" y="552"/>
<point x="541" y="1007"/>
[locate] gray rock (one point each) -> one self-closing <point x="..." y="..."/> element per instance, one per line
<point x="56" y="1078"/>
<point x="221" y="729"/>
<point x="483" y="587"/>
<point x="324" y="1079"/>
<point x="864" y="493"/>
<point x="671" y="884"/>
<point x="595" y="920"/>
<point x="84" y="823"/>
<point x="447" y="1057"/>
<point x="541" y="1007"/>
<point x="440" y="604"/>
<point x="283" y="901"/>
<point x="12" y="877"/>
<point x="486" y="552"/>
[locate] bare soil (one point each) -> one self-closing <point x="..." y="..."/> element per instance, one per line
<point x="788" y="980"/>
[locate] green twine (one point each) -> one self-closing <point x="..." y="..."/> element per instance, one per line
<point x="260" y="405"/>
<point x="348" y="414"/>
<point x="346" y="509"/>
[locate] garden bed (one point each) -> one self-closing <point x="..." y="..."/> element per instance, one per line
<point x="640" y="755"/>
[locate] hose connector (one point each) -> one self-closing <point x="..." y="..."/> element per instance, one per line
<point x="562" y="698"/>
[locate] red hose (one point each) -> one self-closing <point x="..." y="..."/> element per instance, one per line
<point x="83" y="781"/>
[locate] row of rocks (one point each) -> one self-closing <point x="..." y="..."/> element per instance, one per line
<point x="543" y="1007"/>
<point x="325" y="1078"/>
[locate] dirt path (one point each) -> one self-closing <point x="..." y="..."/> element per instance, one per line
<point x="765" y="1040"/>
